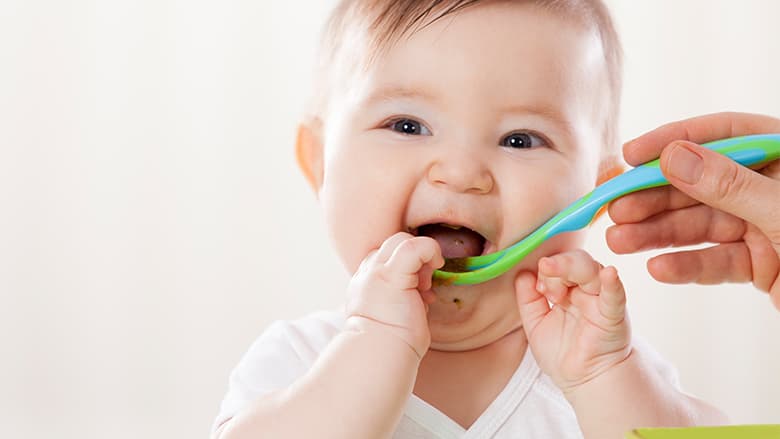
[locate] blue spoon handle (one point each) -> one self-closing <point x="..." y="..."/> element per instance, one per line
<point x="746" y="150"/>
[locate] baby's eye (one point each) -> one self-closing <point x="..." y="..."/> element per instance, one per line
<point x="409" y="127"/>
<point x="522" y="140"/>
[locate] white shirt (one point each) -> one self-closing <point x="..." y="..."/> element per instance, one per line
<point x="529" y="406"/>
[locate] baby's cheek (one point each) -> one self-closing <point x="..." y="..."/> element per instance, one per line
<point x="553" y="246"/>
<point x="561" y="243"/>
<point x="349" y="239"/>
<point x="359" y="223"/>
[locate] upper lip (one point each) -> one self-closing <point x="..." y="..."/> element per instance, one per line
<point x="461" y="222"/>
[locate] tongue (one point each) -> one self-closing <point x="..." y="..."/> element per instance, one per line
<point x="455" y="243"/>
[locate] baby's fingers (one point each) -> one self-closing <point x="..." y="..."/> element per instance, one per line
<point x="612" y="300"/>
<point x="411" y="256"/>
<point x="558" y="272"/>
<point x="388" y="247"/>
<point x="533" y="307"/>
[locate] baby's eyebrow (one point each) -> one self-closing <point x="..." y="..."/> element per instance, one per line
<point x="546" y="111"/>
<point x="399" y="92"/>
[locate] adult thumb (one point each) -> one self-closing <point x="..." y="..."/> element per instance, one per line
<point x="722" y="183"/>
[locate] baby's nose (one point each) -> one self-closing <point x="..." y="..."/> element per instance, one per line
<point x="461" y="172"/>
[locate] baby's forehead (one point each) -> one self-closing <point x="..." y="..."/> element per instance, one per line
<point x="480" y="52"/>
<point x="360" y="32"/>
<point x="387" y="31"/>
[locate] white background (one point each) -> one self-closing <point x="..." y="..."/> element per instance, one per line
<point x="153" y="222"/>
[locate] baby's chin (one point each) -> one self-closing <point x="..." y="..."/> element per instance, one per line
<point x="470" y="317"/>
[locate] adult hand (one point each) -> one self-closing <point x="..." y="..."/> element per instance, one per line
<point x="712" y="199"/>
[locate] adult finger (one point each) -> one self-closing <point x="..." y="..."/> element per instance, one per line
<point x="713" y="265"/>
<point x="641" y="205"/>
<point x="753" y="259"/>
<point x="689" y="226"/>
<point x="699" y="129"/>
<point x="720" y="182"/>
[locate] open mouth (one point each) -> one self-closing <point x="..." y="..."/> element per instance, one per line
<point x="455" y="241"/>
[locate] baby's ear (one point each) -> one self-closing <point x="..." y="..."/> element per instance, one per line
<point x="309" y="153"/>
<point x="609" y="168"/>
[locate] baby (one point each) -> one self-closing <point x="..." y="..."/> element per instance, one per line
<point x="442" y="129"/>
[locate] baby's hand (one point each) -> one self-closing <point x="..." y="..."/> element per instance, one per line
<point x="392" y="287"/>
<point x="586" y="332"/>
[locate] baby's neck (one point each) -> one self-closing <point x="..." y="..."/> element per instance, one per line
<point x="463" y="384"/>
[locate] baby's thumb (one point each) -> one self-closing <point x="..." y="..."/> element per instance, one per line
<point x="530" y="303"/>
<point x="720" y="182"/>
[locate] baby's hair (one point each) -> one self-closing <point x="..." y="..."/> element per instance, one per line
<point x="360" y="31"/>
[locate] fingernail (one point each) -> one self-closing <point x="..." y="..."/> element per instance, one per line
<point x="685" y="164"/>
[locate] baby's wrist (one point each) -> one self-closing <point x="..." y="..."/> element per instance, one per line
<point x="618" y="376"/>
<point x="387" y="333"/>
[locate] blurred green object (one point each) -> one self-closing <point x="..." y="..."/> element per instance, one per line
<point x="726" y="432"/>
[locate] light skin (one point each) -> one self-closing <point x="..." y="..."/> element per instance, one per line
<point x="739" y="208"/>
<point x="437" y="143"/>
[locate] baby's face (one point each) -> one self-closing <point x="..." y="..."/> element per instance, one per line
<point x="488" y="120"/>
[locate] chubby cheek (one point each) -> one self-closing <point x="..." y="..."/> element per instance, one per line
<point x="545" y="192"/>
<point x="363" y="198"/>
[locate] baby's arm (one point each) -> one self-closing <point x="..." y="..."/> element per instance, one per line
<point x="584" y="343"/>
<point x="632" y="395"/>
<point x="359" y="386"/>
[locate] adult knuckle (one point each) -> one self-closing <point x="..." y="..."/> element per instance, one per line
<point x="729" y="183"/>
<point x="774" y="237"/>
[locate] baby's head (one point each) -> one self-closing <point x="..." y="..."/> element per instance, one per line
<point x="489" y="116"/>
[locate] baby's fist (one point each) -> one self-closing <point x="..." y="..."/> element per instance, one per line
<point x="392" y="287"/>
<point x="586" y="331"/>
